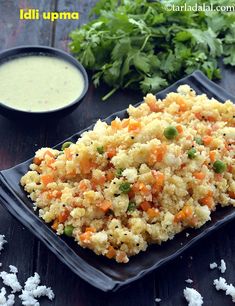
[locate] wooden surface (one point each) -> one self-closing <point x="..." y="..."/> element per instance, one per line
<point x="19" y="140"/>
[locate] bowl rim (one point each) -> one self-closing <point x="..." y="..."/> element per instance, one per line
<point x="25" y="50"/>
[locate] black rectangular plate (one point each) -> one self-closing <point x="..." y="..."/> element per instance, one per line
<point x="100" y="272"/>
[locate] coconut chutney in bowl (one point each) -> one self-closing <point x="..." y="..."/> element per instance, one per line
<point x="40" y="80"/>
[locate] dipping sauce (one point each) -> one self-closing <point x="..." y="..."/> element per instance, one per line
<point x="39" y="83"/>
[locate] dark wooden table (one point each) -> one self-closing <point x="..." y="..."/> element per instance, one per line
<point x="20" y="139"/>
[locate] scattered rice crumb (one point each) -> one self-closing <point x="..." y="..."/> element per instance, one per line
<point x="10" y="280"/>
<point x="2" y="242"/>
<point x="157" y="300"/>
<point x="187" y="234"/>
<point x="213" y="265"/>
<point x="221" y="284"/>
<point x="32" y="291"/>
<point x="191" y="257"/>
<point x="189" y="281"/>
<point x="193" y="297"/>
<point x="10" y="301"/>
<point x="222" y="266"/>
<point x="13" y="269"/>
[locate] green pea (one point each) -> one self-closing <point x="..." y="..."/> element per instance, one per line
<point x="66" y="145"/>
<point x="100" y="150"/>
<point x="170" y="132"/>
<point x="119" y="172"/>
<point x="199" y="140"/>
<point x="219" y="166"/>
<point x="125" y="187"/>
<point x="131" y="206"/>
<point x="68" y="230"/>
<point x="192" y="153"/>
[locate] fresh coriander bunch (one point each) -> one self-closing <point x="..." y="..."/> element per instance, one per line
<point x="143" y="45"/>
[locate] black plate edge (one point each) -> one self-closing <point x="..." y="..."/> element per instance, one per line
<point x="210" y="86"/>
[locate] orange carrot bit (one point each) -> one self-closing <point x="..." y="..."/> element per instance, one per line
<point x="218" y="176"/>
<point x="209" y="131"/>
<point x="56" y="194"/>
<point x="153" y="105"/>
<point x="85" y="237"/>
<point x="111" y="151"/>
<point x="98" y="181"/>
<point x="198" y="116"/>
<point x="105" y="205"/>
<point x="47" y="179"/>
<point x="180" y="216"/>
<point x="188" y="211"/>
<point x="68" y="154"/>
<point x="82" y="186"/>
<point x="159" y="176"/>
<point x="212" y="156"/>
<point x="125" y="122"/>
<point x="232" y="194"/>
<point x="207" y="140"/>
<point x="211" y="118"/>
<point x="199" y="175"/>
<point x="143" y="188"/>
<point x="145" y="205"/>
<point x="179" y="129"/>
<point x="134" y="126"/>
<point x="110" y="175"/>
<point x="49" y="153"/>
<point x="153" y="212"/>
<point x="207" y="200"/>
<point x="182" y="104"/>
<point x="86" y="165"/>
<point x="116" y="125"/>
<point x="230" y="168"/>
<point x="160" y="152"/>
<point x="90" y="229"/>
<point x="55" y="225"/>
<point x="111" y="252"/>
<point x="37" y="161"/>
<point x="63" y="216"/>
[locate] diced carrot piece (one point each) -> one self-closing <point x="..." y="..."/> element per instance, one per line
<point x="121" y="256"/>
<point x="188" y="211"/>
<point x="232" y="194"/>
<point x="91" y="229"/>
<point x="111" y="252"/>
<point x="82" y="186"/>
<point x="37" y="161"/>
<point x="209" y="131"/>
<point x="182" y="104"/>
<point x="98" y="181"/>
<point x="153" y="212"/>
<point x="230" y="168"/>
<point x="86" y="165"/>
<point x="49" y="153"/>
<point x="105" y="205"/>
<point x="63" y="216"/>
<point x="179" y="129"/>
<point x="180" y="216"/>
<point x="50" y="163"/>
<point x="116" y="125"/>
<point x="159" y="176"/>
<point x="111" y="152"/>
<point x="68" y="154"/>
<point x="134" y="126"/>
<point x="198" y="116"/>
<point x="55" y="225"/>
<point x="85" y="237"/>
<point x="210" y="118"/>
<point x="207" y="200"/>
<point x="110" y="175"/>
<point x="145" y="205"/>
<point x="212" y="156"/>
<point x="218" y="176"/>
<point x="54" y="194"/>
<point x="125" y="122"/>
<point x="153" y="106"/>
<point x="46" y="179"/>
<point x="207" y="140"/>
<point x="199" y="175"/>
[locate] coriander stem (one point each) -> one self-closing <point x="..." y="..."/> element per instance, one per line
<point x="145" y="42"/>
<point x="109" y="94"/>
